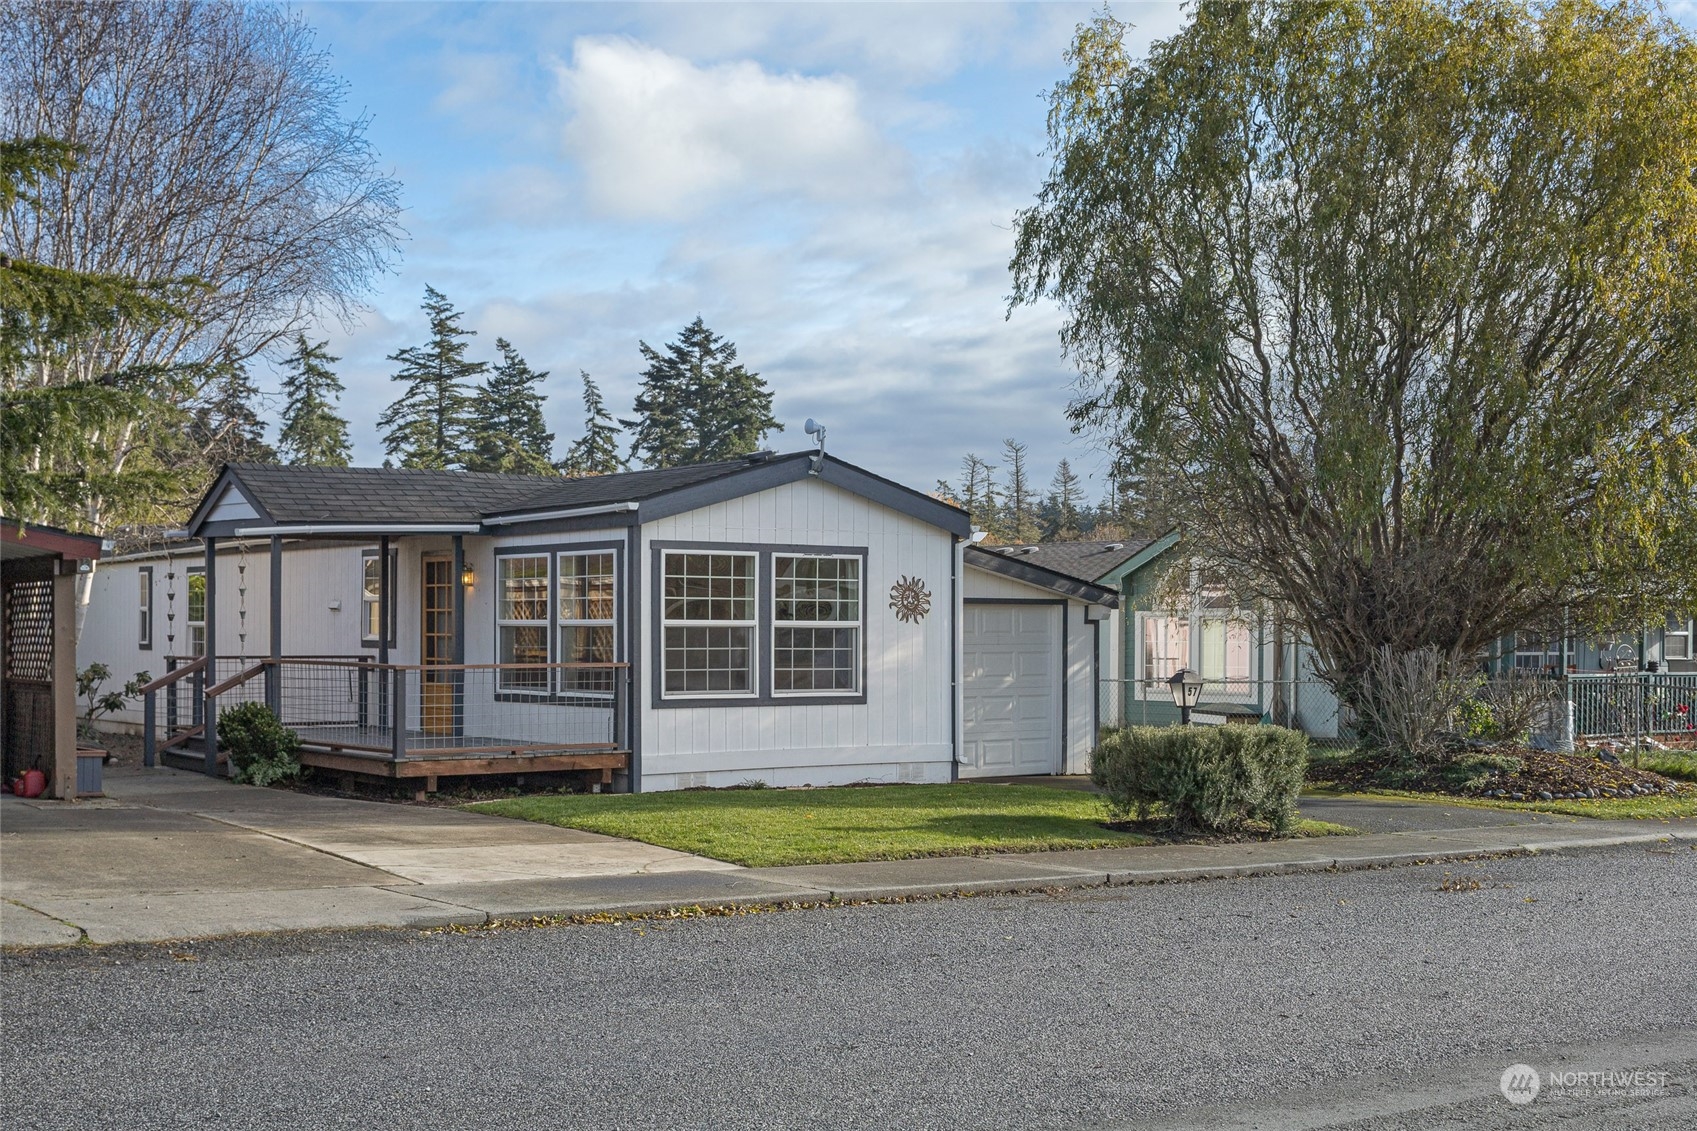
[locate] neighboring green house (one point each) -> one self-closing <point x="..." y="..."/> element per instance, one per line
<point x="1257" y="670"/>
<point x="1253" y="669"/>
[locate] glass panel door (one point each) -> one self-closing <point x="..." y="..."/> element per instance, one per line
<point x="436" y="648"/>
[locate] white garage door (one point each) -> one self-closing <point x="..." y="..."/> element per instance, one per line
<point x="1011" y="690"/>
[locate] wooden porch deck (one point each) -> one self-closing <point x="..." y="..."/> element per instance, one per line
<point x="369" y="750"/>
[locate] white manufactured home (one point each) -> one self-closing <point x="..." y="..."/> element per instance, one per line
<point x="789" y="619"/>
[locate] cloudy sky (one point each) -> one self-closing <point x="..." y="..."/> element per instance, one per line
<point x="830" y="186"/>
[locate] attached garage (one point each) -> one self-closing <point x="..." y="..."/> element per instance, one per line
<point x="1028" y="667"/>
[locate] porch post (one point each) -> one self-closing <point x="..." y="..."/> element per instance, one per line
<point x="384" y="581"/>
<point x="210" y="713"/>
<point x="458" y="590"/>
<point x="274" y="674"/>
<point x="387" y="683"/>
<point x="62" y="768"/>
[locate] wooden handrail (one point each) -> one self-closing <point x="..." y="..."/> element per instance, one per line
<point x="237" y="680"/>
<point x="169" y="678"/>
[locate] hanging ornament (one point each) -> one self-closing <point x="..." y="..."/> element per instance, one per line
<point x="241" y="602"/>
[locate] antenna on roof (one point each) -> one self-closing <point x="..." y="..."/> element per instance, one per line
<point x="817" y="431"/>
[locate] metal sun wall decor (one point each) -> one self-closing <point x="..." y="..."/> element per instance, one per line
<point x="910" y="599"/>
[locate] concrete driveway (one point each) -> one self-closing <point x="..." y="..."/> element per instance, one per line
<point x="172" y="854"/>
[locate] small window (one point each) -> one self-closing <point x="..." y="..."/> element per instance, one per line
<point x="708" y="624"/>
<point x="816" y="610"/>
<point x="144" y="633"/>
<point x="1226" y="653"/>
<point x="1676" y="641"/>
<point x="586" y="618"/>
<point x="521" y="618"/>
<point x="195" y="615"/>
<point x="371" y="617"/>
<point x="1536" y="653"/>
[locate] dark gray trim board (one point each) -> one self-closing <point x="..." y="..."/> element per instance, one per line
<point x="1042" y="578"/>
<point x="633" y="633"/>
<point x="764" y="695"/>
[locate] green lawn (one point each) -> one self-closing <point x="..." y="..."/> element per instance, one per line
<point x="765" y="828"/>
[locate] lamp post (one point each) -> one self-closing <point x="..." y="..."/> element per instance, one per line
<point x="1186" y="687"/>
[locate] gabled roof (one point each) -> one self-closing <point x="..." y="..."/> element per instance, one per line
<point x="1021" y="569"/>
<point x="251" y="497"/>
<point x="1087" y="561"/>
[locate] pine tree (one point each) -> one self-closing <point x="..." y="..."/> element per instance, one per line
<point x="427" y="426"/>
<point x="507" y="431"/>
<point x="227" y="425"/>
<point x="1063" y="521"/>
<point x="1019" y="520"/>
<point x="596" y="452"/>
<point x="312" y="433"/>
<point x="978" y="492"/>
<point x="698" y="402"/>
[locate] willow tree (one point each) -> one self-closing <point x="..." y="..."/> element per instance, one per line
<point x="1403" y="299"/>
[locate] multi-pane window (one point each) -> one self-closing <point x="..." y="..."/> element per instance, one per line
<point x="586" y="621"/>
<point x="708" y="624"/>
<point x="144" y="634"/>
<point x="1533" y="652"/>
<point x="1166" y="646"/>
<point x="1676" y="640"/>
<point x="371" y="587"/>
<point x="815" y="624"/>
<point x="195" y="615"/>
<point x="521" y="620"/>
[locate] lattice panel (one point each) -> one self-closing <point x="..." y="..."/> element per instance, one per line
<point x="29" y="630"/>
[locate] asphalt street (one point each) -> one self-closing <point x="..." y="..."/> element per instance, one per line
<point x="1374" y="999"/>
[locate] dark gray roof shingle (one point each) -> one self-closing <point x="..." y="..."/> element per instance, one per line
<point x="1087" y="561"/>
<point x="294" y="494"/>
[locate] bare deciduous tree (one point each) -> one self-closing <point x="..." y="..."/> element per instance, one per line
<point x="213" y="149"/>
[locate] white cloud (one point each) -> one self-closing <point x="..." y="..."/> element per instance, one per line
<point x="656" y="136"/>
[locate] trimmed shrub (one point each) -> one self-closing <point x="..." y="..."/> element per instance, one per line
<point x="261" y="748"/>
<point x="1214" y="779"/>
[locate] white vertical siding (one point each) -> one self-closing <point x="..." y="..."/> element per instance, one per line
<point x="905" y="729"/>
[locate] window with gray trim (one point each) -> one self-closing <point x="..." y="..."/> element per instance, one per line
<point x="587" y="612"/>
<point x="816" y="624"/>
<point x="371" y="582"/>
<point x="521" y="621"/>
<point x="144" y="636"/>
<point x="708" y="624"/>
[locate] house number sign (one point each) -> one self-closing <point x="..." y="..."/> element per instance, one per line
<point x="910" y="599"/>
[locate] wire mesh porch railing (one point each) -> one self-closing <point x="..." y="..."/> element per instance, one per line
<point x="357" y="706"/>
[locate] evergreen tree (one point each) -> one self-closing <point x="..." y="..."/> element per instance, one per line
<point x="978" y="492"/>
<point x="1019" y="518"/>
<point x="428" y="425"/>
<point x="596" y="452"/>
<point x="1063" y="521"/>
<point x="312" y="433"/>
<point x="698" y="402"/>
<point x="227" y="426"/>
<point x="506" y="429"/>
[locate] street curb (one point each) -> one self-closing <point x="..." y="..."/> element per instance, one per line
<point x="459" y="912"/>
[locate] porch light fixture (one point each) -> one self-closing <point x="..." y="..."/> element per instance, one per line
<point x="467" y="577"/>
<point x="1186" y="687"/>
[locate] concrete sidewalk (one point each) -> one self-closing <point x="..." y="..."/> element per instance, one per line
<point x="175" y="856"/>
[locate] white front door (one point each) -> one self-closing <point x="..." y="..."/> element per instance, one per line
<point x="1011" y="690"/>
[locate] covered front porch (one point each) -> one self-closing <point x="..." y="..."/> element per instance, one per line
<point x="418" y="711"/>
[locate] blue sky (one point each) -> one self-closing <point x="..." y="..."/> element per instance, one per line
<point x="830" y="186"/>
